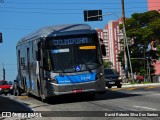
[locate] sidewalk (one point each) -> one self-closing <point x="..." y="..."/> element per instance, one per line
<point x="139" y="84"/>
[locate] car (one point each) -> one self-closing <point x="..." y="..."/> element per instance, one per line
<point x="5" y="88"/>
<point x="140" y="79"/>
<point x="112" y="78"/>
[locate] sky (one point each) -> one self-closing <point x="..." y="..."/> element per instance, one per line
<point x="19" y="18"/>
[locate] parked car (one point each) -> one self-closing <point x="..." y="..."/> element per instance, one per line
<point x="112" y="78"/>
<point x="5" y="88"/>
<point x="140" y="79"/>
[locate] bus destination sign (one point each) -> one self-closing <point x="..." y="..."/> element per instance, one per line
<point x="71" y="41"/>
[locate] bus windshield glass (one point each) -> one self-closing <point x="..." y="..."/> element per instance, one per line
<point x="76" y="55"/>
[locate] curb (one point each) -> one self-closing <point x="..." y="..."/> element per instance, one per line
<point x="142" y="84"/>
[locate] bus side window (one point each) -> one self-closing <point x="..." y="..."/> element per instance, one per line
<point x="22" y="63"/>
<point x="38" y="56"/>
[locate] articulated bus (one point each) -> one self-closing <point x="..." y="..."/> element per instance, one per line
<point x="61" y="59"/>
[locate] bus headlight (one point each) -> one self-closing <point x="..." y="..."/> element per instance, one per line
<point x="0" y="88"/>
<point x="53" y="80"/>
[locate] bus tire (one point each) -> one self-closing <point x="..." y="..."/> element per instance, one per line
<point x="91" y="96"/>
<point x="28" y="94"/>
<point x="15" y="92"/>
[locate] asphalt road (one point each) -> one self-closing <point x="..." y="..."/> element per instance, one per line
<point x="127" y="99"/>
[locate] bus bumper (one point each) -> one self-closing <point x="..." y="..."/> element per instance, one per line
<point x="97" y="86"/>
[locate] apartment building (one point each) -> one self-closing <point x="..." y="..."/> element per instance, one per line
<point x="111" y="36"/>
<point x="114" y="46"/>
<point x="154" y="5"/>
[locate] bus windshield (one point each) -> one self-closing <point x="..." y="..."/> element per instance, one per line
<point x="75" y="58"/>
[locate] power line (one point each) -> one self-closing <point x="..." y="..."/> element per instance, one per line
<point x="60" y="9"/>
<point x="7" y="64"/>
<point x="39" y="12"/>
<point x="71" y="3"/>
<point x="58" y="12"/>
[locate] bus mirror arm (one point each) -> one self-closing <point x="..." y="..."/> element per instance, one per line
<point x="103" y="50"/>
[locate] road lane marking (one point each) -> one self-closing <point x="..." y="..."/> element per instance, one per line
<point x="23" y="97"/>
<point x="148" y="108"/>
<point x="150" y="87"/>
<point x="156" y="94"/>
<point x="131" y="88"/>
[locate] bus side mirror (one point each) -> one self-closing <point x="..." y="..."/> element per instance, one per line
<point x="38" y="56"/>
<point x="103" y="49"/>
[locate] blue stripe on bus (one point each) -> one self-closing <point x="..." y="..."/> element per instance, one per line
<point x="69" y="79"/>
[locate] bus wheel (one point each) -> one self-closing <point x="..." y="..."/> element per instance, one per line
<point x="28" y="94"/>
<point x="15" y="92"/>
<point x="91" y="96"/>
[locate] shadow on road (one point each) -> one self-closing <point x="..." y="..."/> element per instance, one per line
<point x="10" y="105"/>
<point x="115" y="95"/>
<point x="77" y="98"/>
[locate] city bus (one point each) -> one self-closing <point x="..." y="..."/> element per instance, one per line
<point x="61" y="59"/>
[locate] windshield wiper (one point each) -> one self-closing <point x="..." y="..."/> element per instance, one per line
<point x="87" y="67"/>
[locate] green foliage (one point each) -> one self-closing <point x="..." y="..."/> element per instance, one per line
<point x="107" y="64"/>
<point x="158" y="51"/>
<point x="142" y="28"/>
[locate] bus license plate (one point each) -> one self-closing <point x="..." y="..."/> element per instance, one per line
<point x="77" y="91"/>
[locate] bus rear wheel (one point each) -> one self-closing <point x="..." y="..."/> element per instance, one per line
<point x="89" y="96"/>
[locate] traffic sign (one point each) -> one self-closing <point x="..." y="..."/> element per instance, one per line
<point x="93" y="15"/>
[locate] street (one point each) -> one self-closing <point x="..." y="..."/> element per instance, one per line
<point x="116" y="99"/>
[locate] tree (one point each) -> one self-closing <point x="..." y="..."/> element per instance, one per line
<point x="107" y="64"/>
<point x="142" y="28"/>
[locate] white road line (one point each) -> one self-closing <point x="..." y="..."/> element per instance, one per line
<point x="145" y="107"/>
<point x="155" y="94"/>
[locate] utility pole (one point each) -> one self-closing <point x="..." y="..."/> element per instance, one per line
<point x="3" y="72"/>
<point x="125" y="57"/>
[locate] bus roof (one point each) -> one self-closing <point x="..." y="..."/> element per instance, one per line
<point x="57" y="29"/>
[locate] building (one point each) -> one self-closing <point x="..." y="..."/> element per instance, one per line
<point x="154" y="5"/>
<point x="111" y="37"/>
<point x="114" y="46"/>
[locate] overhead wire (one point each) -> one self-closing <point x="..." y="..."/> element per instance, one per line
<point x="78" y="3"/>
